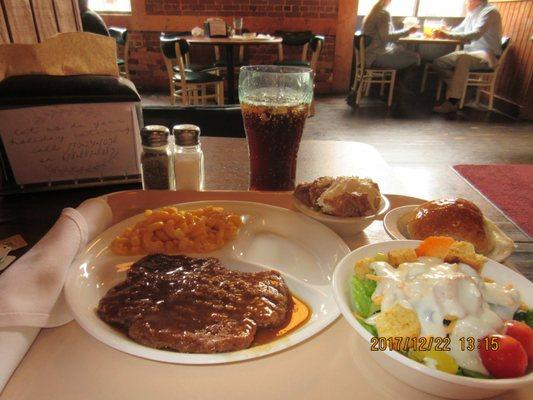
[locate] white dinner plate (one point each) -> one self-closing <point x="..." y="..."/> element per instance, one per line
<point x="303" y="250"/>
<point x="395" y="224"/>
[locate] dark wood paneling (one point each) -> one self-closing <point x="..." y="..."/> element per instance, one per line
<point x="45" y="18"/>
<point x="516" y="76"/>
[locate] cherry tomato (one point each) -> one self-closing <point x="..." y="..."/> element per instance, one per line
<point x="504" y="358"/>
<point x="523" y="333"/>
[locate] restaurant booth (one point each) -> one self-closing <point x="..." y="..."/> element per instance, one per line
<point x="234" y="199"/>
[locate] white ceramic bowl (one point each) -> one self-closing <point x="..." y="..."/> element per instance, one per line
<point x="409" y="371"/>
<point x="344" y="226"/>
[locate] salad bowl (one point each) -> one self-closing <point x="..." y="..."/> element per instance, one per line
<point x="409" y="371"/>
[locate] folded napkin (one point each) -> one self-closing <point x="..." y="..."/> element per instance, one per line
<point x="31" y="289"/>
<point x="69" y="53"/>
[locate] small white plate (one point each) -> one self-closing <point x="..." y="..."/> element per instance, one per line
<point x="395" y="224"/>
<point x="303" y="250"/>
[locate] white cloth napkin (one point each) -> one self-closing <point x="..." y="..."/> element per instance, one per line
<point x="31" y="289"/>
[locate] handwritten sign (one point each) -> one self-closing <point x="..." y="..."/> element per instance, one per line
<point x="71" y="141"/>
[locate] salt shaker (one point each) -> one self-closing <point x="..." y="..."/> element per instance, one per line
<point x="156" y="158"/>
<point x="188" y="158"/>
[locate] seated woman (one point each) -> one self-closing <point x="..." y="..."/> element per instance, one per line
<point x="382" y="52"/>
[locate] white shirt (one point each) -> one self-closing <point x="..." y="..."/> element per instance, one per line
<point x="380" y="29"/>
<point x="482" y="28"/>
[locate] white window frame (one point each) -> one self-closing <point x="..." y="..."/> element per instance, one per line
<point x="415" y="12"/>
<point x="111" y="11"/>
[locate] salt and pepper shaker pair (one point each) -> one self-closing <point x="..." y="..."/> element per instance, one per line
<point x="174" y="162"/>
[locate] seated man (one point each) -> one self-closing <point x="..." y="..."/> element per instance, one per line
<point x="91" y="21"/>
<point x="482" y="30"/>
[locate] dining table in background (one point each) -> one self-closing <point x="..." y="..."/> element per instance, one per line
<point x="414" y="42"/>
<point x="424" y="40"/>
<point x="229" y="44"/>
<point x="67" y="363"/>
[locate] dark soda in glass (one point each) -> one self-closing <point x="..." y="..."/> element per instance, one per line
<point x="274" y="133"/>
<point x="275" y="103"/>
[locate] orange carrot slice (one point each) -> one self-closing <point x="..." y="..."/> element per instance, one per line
<point x="434" y="246"/>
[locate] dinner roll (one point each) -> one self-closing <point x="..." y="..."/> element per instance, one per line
<point x="458" y="218"/>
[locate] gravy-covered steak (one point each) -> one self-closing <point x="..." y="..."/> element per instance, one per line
<point x="195" y="305"/>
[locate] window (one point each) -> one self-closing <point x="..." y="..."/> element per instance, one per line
<point x="110" y="5"/>
<point x="397" y="7"/>
<point x="449" y="8"/>
<point x="426" y="8"/>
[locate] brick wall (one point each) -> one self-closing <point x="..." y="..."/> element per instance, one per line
<point x="147" y="69"/>
<point x="268" y="8"/>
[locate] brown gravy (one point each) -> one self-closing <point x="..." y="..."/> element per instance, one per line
<point x="300" y="314"/>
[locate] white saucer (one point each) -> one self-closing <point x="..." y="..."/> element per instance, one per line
<point x="395" y="224"/>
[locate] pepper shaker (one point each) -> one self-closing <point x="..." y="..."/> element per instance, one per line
<point x="156" y="158"/>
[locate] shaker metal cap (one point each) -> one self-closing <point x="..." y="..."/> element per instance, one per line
<point x="154" y="135"/>
<point x="186" y="134"/>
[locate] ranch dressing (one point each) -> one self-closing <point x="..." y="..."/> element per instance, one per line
<point x="436" y="291"/>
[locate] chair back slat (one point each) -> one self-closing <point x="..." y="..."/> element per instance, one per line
<point x="361" y="41"/>
<point x="316" y="44"/>
<point x="506" y="46"/>
<point x="294" y="38"/>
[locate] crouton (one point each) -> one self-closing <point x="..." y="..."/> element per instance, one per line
<point x="362" y="267"/>
<point x="464" y="252"/>
<point x="399" y="323"/>
<point x="396" y="257"/>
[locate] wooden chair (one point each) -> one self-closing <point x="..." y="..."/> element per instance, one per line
<point x="121" y="37"/>
<point x="429" y="70"/>
<point x="189" y="65"/>
<point x="482" y="78"/>
<point x="307" y="40"/>
<point x="187" y="86"/>
<point x="364" y="77"/>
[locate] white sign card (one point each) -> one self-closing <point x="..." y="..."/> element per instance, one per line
<point x="71" y="141"/>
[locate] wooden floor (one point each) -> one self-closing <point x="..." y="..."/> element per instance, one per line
<point x="418" y="137"/>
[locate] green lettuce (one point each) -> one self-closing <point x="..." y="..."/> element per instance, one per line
<point x="362" y="290"/>
<point x="472" y="374"/>
<point x="525" y="316"/>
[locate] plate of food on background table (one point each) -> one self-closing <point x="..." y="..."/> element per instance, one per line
<point x="207" y="282"/>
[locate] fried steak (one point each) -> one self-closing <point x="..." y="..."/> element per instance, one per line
<point x="195" y="305"/>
